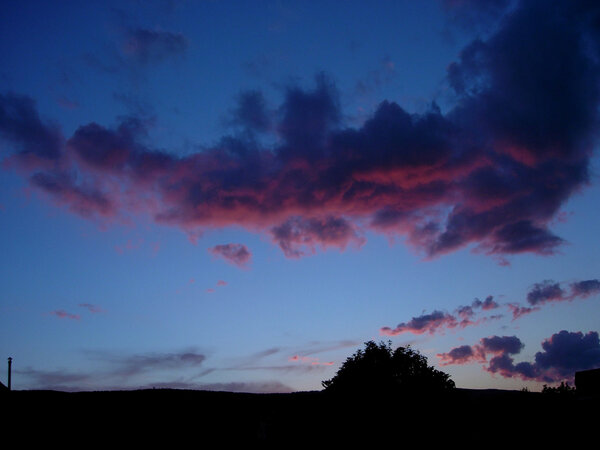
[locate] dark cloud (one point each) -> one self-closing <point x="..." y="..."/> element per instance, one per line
<point x="458" y="355"/>
<point x="469" y="311"/>
<point x="237" y="254"/>
<point x="297" y="236"/>
<point x="545" y="291"/>
<point x="501" y="344"/>
<point x="426" y="323"/>
<point x="488" y="304"/>
<point x="153" y="46"/>
<point x="552" y="291"/>
<point x="251" y="112"/>
<point x="490" y="173"/>
<point x="22" y="127"/>
<point x="563" y="354"/>
<point x="585" y="288"/>
<point x="498" y="346"/>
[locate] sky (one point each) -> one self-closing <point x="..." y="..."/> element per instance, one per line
<point x="232" y="195"/>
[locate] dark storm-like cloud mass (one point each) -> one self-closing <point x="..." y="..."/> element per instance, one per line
<point x="491" y="172"/>
<point x="563" y="354"/>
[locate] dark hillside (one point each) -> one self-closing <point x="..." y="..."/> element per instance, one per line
<point x="188" y="417"/>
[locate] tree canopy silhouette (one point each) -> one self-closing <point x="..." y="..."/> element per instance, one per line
<point x="378" y="368"/>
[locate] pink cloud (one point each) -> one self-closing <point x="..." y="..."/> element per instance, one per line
<point x="471" y="176"/>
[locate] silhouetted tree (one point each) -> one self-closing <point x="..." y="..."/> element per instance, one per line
<point x="378" y="368"/>
<point x="564" y="390"/>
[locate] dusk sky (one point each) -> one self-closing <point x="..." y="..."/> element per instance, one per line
<point x="236" y="195"/>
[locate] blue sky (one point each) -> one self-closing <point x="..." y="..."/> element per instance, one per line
<point x="236" y="195"/>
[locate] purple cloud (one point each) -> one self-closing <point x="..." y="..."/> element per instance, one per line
<point x="491" y="173"/>
<point x="551" y="291"/>
<point x="585" y="289"/>
<point x="236" y="254"/>
<point x="426" y="323"/>
<point x="563" y="354"/>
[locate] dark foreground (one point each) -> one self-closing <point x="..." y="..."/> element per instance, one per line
<point x="179" y="417"/>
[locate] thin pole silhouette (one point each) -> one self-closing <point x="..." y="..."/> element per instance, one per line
<point x="9" y="364"/>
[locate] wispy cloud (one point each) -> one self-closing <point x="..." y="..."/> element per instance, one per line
<point x="62" y="314"/>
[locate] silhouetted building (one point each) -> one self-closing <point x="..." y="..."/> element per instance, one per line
<point x="587" y="382"/>
<point x="3" y="388"/>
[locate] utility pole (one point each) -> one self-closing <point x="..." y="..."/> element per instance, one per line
<point x="9" y="364"/>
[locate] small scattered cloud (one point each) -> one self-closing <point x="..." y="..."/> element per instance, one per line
<point x="424" y="324"/>
<point x="440" y="321"/>
<point x="62" y="314"/>
<point x="519" y="311"/>
<point x="236" y="254"/>
<point x="94" y="309"/>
